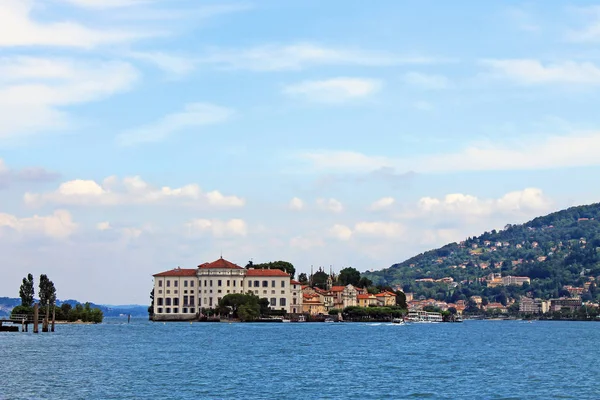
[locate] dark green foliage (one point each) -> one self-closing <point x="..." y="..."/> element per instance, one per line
<point x="282" y="265"/>
<point x="303" y="279"/>
<point x="372" y="313"/>
<point x="27" y="291"/>
<point x="562" y="248"/>
<point x="246" y="307"/>
<point x="319" y="279"/>
<point x="47" y="291"/>
<point x="349" y="276"/>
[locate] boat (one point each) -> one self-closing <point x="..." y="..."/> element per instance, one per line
<point x="424" y="317"/>
<point x="397" y="321"/>
<point x="302" y="318"/>
<point x="329" y="320"/>
<point x="286" y="320"/>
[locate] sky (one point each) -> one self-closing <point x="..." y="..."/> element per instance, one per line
<point x="141" y="135"/>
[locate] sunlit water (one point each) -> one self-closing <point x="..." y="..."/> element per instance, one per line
<point x="144" y="360"/>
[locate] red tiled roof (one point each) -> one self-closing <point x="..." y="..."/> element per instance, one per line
<point x="337" y="288"/>
<point x="266" y="272"/>
<point x="385" y="294"/>
<point x="178" y="272"/>
<point x="294" y="282"/>
<point x="220" y="263"/>
<point x="363" y="296"/>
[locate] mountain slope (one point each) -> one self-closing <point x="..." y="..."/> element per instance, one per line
<point x="555" y="250"/>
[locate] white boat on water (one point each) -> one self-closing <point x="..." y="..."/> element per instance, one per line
<point x="398" y="321"/>
<point x="424" y="317"/>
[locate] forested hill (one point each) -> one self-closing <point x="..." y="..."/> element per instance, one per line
<point x="555" y="250"/>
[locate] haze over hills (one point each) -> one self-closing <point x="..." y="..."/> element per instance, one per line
<point x="136" y="310"/>
<point x="556" y="251"/>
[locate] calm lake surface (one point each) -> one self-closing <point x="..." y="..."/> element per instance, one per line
<point x="144" y="360"/>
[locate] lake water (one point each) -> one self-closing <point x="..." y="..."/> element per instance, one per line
<point x="144" y="360"/>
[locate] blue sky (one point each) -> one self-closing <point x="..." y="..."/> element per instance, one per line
<point x="137" y="136"/>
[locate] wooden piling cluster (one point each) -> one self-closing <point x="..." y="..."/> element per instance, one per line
<point x="25" y="320"/>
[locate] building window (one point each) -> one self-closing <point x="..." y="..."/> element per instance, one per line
<point x="227" y="282"/>
<point x="294" y="301"/>
<point x="282" y="283"/>
<point x="210" y="301"/>
<point x="175" y="301"/>
<point x="168" y="292"/>
<point x="229" y="291"/>
<point x="175" y="283"/>
<point x="205" y="282"/>
<point x="168" y="310"/>
<point x="191" y="283"/>
<point x="283" y="292"/>
<point x="211" y="282"/>
<point x="219" y="282"/>
<point x="159" y="301"/>
<point x="184" y="310"/>
<point x="176" y="311"/>
<point x="159" y="310"/>
<point x="185" y="301"/>
<point x="272" y="283"/>
<point x="185" y="283"/>
<point x="256" y="283"/>
<point x="192" y="310"/>
<point x="272" y="292"/>
<point x="273" y="301"/>
<point x="168" y="283"/>
<point x="234" y="283"/>
<point x="160" y="292"/>
<point x="282" y="302"/>
<point x="159" y="283"/>
<point x="265" y="283"/>
<point x="191" y="304"/>
<point x="168" y="301"/>
<point x="219" y="291"/>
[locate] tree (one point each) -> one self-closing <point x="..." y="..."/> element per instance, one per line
<point x="365" y="282"/>
<point x="349" y="276"/>
<point x="319" y="279"/>
<point x="27" y="291"/>
<point x="303" y="278"/>
<point x="401" y="299"/>
<point x="47" y="291"/>
<point x="285" y="266"/>
<point x="151" y="307"/>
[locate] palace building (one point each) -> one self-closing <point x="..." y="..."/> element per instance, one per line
<point x="179" y="294"/>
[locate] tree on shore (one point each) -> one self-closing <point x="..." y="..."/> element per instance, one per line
<point x="303" y="279"/>
<point x="47" y="291"/>
<point x="349" y="276"/>
<point x="27" y="291"/>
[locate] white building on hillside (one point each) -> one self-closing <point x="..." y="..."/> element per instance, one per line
<point x="181" y="293"/>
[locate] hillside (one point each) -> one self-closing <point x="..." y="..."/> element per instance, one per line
<point x="8" y="303"/>
<point x="557" y="250"/>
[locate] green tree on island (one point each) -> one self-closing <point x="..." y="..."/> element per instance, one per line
<point x="27" y="291"/>
<point x="349" y="276"/>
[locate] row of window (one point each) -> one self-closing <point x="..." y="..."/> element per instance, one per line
<point x="184" y="310"/>
<point x="187" y="301"/>
<point x="220" y="283"/>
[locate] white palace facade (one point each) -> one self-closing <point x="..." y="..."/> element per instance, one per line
<point x="179" y="294"/>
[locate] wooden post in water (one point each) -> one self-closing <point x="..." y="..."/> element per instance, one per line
<point x="53" y="317"/>
<point x="35" y="318"/>
<point x="46" y="318"/>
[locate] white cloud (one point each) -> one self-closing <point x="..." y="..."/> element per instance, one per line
<point x="591" y="32"/>
<point x="332" y="205"/>
<point x="296" y="204"/>
<point x="383" y="203"/>
<point x="427" y="81"/>
<point x="306" y="243"/>
<point x="335" y="90"/>
<point x="533" y="72"/>
<point x="380" y="229"/>
<point x="103" y="226"/>
<point x="30" y="174"/>
<point x="574" y="150"/>
<point x="529" y="200"/>
<point x="218" y="228"/>
<point x="341" y="232"/>
<point x="33" y="89"/>
<point x="59" y="225"/>
<point x="130" y="190"/>
<point x="15" y="17"/>
<point x="174" y="65"/>
<point x="423" y="105"/>
<point x="107" y="4"/>
<point x="303" y="55"/>
<point x="194" y="115"/>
